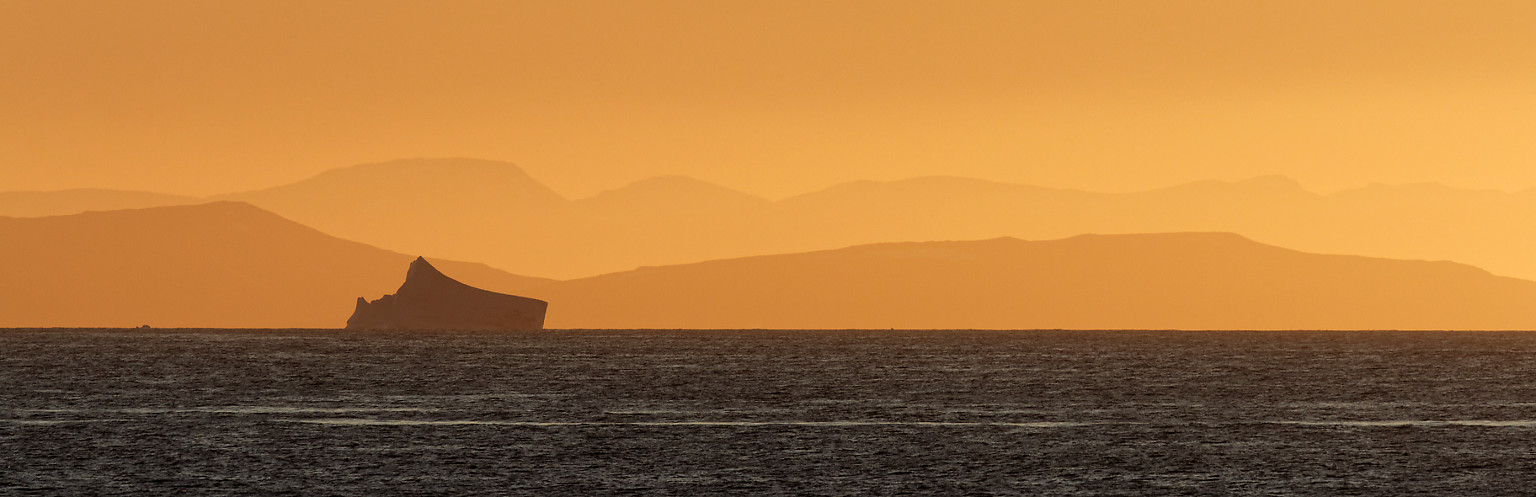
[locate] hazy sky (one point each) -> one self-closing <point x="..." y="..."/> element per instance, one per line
<point x="772" y="97"/>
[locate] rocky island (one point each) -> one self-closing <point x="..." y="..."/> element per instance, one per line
<point x="430" y="300"/>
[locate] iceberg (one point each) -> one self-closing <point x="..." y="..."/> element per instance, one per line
<point x="430" y="300"/>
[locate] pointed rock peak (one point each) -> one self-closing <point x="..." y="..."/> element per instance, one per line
<point x="420" y="268"/>
<point x="430" y="300"/>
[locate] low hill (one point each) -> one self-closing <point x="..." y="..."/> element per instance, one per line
<point x="1156" y="281"/>
<point x="222" y="264"/>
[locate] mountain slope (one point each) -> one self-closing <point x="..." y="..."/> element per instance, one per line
<point x="458" y="208"/>
<point x="665" y="220"/>
<point x="1488" y="229"/>
<point x="63" y="202"/>
<point x="222" y="264"/>
<point x="1185" y="281"/>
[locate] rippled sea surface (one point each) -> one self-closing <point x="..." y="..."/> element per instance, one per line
<point x="317" y="412"/>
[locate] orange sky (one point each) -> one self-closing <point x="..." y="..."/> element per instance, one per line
<point x="773" y="98"/>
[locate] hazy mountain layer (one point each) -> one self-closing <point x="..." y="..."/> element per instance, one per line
<point x="229" y="264"/>
<point x="222" y="264"/>
<point x="493" y="212"/>
<point x="1178" y="281"/>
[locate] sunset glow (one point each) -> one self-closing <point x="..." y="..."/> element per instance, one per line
<point x="773" y="99"/>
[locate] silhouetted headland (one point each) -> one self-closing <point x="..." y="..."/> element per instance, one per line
<point x="430" y="300"/>
<point x="219" y="265"/>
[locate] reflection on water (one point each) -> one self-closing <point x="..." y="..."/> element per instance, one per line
<point x="227" y="410"/>
<point x="1511" y="423"/>
<point x="762" y="412"/>
<point x="813" y="424"/>
<point x="55" y="421"/>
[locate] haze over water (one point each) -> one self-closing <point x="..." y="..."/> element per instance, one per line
<point x="767" y="412"/>
<point x="683" y="164"/>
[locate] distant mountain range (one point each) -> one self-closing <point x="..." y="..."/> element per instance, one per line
<point x="493" y="212"/>
<point x="229" y="264"/>
<point x="1147" y="281"/>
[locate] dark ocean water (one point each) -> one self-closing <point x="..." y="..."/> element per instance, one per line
<point x="304" y="412"/>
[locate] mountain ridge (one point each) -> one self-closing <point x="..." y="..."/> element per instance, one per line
<point x="231" y="264"/>
<point x="493" y="211"/>
<point x="1140" y="281"/>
